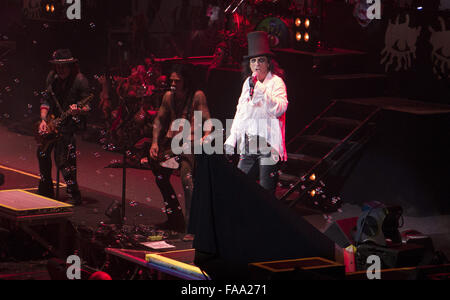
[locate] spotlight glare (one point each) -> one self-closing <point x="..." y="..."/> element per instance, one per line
<point x="53" y="8"/>
<point x="298" y="22"/>
<point x="312" y="177"/>
<point x="306" y="37"/>
<point x="307" y="23"/>
<point x="47" y="8"/>
<point x="312" y="193"/>
<point x="298" y="36"/>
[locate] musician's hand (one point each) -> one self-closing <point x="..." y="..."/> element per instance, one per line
<point x="43" y="128"/>
<point x="229" y="152"/>
<point x="255" y="76"/>
<point x="154" y="151"/>
<point x="205" y="140"/>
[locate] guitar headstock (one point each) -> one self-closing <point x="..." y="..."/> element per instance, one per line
<point x="86" y="100"/>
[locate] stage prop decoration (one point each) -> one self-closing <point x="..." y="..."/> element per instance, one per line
<point x="400" y="44"/>
<point x="440" y="55"/>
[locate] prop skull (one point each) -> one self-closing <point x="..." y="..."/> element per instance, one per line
<point x="400" y="43"/>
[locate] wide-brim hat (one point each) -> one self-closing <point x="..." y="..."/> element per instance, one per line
<point x="258" y="45"/>
<point x="62" y="56"/>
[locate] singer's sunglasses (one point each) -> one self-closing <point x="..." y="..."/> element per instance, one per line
<point x="260" y="60"/>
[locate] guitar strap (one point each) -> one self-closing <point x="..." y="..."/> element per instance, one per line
<point x="57" y="102"/>
<point x="186" y="112"/>
<point x="50" y="90"/>
<point x="187" y="109"/>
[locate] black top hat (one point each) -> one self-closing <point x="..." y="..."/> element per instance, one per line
<point x="62" y="56"/>
<point x="258" y="44"/>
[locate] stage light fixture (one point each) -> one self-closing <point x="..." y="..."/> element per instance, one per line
<point x="312" y="177"/>
<point x="51" y="10"/>
<point x="312" y="193"/>
<point x="306" y="32"/>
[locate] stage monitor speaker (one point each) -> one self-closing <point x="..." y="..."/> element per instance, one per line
<point x="236" y="222"/>
<point x="400" y="256"/>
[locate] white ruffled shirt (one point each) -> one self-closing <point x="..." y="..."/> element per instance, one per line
<point x="262" y="115"/>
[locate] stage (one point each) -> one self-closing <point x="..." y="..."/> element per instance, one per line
<point x="100" y="186"/>
<point x="364" y="122"/>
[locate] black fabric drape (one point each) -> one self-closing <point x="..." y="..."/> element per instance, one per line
<point x="236" y="221"/>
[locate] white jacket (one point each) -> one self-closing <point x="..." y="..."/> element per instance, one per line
<point x="263" y="115"/>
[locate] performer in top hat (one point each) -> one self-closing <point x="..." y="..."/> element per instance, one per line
<point x="65" y="87"/>
<point x="258" y="129"/>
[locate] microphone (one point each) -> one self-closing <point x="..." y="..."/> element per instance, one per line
<point x="252" y="86"/>
<point x="251" y="82"/>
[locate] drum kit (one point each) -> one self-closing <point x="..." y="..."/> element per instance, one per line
<point x="244" y="16"/>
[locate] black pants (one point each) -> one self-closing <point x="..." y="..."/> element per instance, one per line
<point x="66" y="161"/>
<point x="173" y="209"/>
<point x="260" y="162"/>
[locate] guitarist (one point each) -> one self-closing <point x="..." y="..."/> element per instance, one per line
<point x="65" y="87"/>
<point x="180" y="102"/>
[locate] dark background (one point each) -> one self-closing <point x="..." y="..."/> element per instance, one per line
<point x="103" y="45"/>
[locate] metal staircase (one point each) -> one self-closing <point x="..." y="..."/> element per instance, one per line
<point x="325" y="144"/>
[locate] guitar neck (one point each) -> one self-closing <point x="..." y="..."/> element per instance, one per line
<point x="65" y="114"/>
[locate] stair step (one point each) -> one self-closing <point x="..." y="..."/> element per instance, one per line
<point x="345" y="122"/>
<point x="288" y="178"/>
<point x="353" y="76"/>
<point x="355" y="85"/>
<point x="320" y="139"/>
<point x="8" y="45"/>
<point x="303" y="158"/>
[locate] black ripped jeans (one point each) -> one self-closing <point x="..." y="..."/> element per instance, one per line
<point x="66" y="160"/>
<point x="173" y="209"/>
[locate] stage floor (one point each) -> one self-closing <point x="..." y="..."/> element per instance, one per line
<point x="101" y="186"/>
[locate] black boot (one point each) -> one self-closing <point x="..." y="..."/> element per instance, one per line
<point x="46" y="190"/>
<point x="75" y="199"/>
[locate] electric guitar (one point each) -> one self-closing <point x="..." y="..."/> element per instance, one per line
<point x="45" y="139"/>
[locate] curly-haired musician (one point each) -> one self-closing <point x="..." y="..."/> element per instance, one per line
<point x="179" y="103"/>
